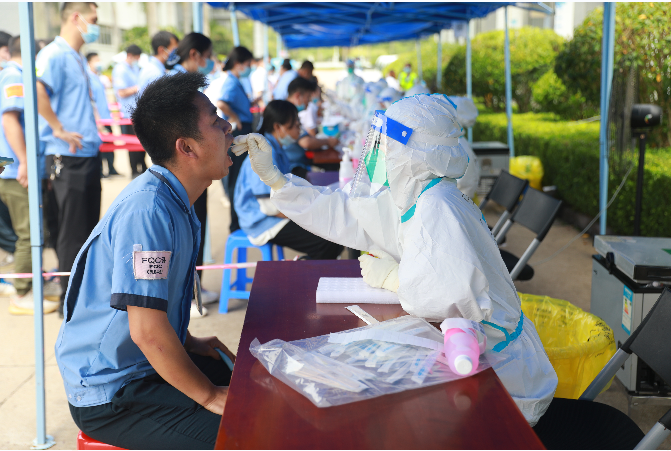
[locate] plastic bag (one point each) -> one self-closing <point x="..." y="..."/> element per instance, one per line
<point x="529" y="168"/>
<point x="578" y="343"/>
<point x="388" y="357"/>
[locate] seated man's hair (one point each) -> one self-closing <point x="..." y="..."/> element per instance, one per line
<point x="70" y="7"/>
<point x="4" y="39"/>
<point x="90" y="55"/>
<point x="307" y="65"/>
<point x="286" y="64"/>
<point x="165" y="112"/>
<point x="300" y="84"/>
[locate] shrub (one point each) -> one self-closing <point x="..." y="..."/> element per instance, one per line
<point x="550" y="95"/>
<point x="532" y="54"/>
<point x="642" y="36"/>
<point x="570" y="156"/>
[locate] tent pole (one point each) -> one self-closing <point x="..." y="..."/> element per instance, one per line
<point x="279" y="45"/>
<point x="469" y="79"/>
<point x="439" y="63"/>
<point x="234" y="25"/>
<point x="509" y="94"/>
<point x="266" y="60"/>
<point x="197" y="17"/>
<point x="419" y="59"/>
<point x="607" y="51"/>
<point x="27" y="33"/>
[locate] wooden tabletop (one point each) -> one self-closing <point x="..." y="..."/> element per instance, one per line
<point x="264" y="413"/>
<point x="327" y="156"/>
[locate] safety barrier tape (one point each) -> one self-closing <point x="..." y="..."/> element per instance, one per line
<point x="28" y="275"/>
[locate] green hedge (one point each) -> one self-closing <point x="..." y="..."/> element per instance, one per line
<point x="570" y="157"/>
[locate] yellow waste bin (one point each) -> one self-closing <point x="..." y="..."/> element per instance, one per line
<point x="528" y="168"/>
<point x="578" y="343"/>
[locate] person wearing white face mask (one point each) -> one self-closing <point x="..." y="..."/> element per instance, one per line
<point x="65" y="101"/>
<point x="235" y="105"/>
<point x="125" y="83"/>
<point x="432" y="244"/>
<point x="259" y="218"/>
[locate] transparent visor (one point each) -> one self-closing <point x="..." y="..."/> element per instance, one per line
<point x="371" y="174"/>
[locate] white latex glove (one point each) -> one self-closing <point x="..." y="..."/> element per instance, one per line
<point x="261" y="157"/>
<point x="380" y="271"/>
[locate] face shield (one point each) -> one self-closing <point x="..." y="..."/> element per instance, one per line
<point x="371" y="174"/>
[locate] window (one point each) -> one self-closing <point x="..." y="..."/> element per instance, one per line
<point x="105" y="35"/>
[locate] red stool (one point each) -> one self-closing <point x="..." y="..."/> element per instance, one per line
<point x="86" y="442"/>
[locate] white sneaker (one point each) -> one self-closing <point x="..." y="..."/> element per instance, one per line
<point x="195" y="314"/>
<point x="208" y="297"/>
<point x="8" y="260"/>
<point x="52" y="290"/>
<point x="24" y="305"/>
<point x="7" y="289"/>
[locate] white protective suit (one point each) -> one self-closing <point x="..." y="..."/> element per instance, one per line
<point x="467" y="113"/>
<point x="417" y="89"/>
<point x="448" y="262"/>
<point x="387" y="97"/>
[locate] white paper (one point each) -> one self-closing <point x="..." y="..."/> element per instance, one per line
<point x="352" y="290"/>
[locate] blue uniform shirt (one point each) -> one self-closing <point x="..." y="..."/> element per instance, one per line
<point x="99" y="96"/>
<point x="233" y="93"/>
<point x="296" y="154"/>
<point x="94" y="350"/>
<point x="11" y="99"/>
<point x="62" y="71"/>
<point x="149" y="73"/>
<point x="281" y="91"/>
<point x="249" y="187"/>
<point x="125" y="76"/>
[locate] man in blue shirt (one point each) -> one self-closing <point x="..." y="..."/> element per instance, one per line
<point x="287" y="75"/>
<point x="125" y="82"/>
<point x="162" y="44"/>
<point x="65" y="101"/>
<point x="134" y="376"/>
<point x="14" y="180"/>
<point x="94" y="69"/>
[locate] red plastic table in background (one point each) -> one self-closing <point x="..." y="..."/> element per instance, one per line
<point x="264" y="413"/>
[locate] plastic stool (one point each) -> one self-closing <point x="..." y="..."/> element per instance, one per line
<point x="238" y="289"/>
<point x="86" y="442"/>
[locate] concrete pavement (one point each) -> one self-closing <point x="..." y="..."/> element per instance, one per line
<point x="568" y="277"/>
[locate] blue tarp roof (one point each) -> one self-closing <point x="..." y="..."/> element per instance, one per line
<point x="316" y="24"/>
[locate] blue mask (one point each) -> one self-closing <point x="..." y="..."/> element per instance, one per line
<point x="245" y="73"/>
<point x="350" y="70"/>
<point x="208" y="67"/>
<point x="315" y="100"/>
<point x="286" y="141"/>
<point x="92" y="32"/>
<point x="300" y="108"/>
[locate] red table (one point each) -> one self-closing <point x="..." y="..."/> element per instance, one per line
<point x="264" y="413"/>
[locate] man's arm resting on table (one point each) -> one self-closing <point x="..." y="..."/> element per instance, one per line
<point x="17" y="141"/>
<point x="151" y="331"/>
<point x="45" y="110"/>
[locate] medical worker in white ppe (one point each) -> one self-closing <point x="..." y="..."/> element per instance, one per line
<point x="430" y="242"/>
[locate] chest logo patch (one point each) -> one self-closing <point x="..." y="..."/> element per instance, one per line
<point x="151" y="265"/>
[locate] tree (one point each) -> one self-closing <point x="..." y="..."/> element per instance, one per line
<point x="532" y="54"/>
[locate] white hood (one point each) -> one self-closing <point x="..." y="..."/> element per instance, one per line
<point x="412" y="166"/>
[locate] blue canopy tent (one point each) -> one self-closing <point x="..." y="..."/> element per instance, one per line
<point x="293" y="21"/>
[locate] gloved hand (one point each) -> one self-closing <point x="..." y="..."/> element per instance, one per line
<point x="380" y="271"/>
<point x="261" y="157"/>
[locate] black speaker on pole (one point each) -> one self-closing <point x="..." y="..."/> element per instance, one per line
<point x="643" y="118"/>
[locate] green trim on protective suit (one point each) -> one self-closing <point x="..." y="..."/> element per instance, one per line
<point x="411" y="212"/>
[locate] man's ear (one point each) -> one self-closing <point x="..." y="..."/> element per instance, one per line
<point x="183" y="149"/>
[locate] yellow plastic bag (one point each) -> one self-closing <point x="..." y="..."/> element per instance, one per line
<point x="578" y="343"/>
<point x="528" y="168"/>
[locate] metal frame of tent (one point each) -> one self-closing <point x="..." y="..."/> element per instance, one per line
<point x="366" y="15"/>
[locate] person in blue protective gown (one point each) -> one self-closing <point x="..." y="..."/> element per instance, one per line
<point x="133" y="374"/>
<point x="431" y="244"/>
<point x="258" y="217"/>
